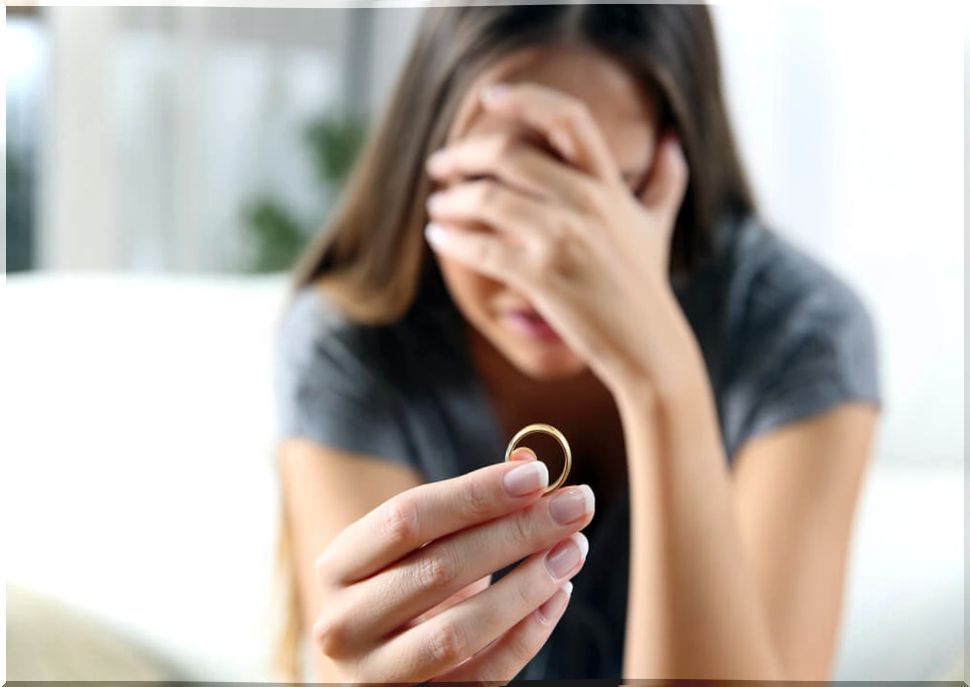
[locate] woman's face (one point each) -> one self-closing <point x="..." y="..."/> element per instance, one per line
<point x="627" y="120"/>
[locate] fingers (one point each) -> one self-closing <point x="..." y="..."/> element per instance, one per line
<point x="664" y="190"/>
<point x="563" y="120"/>
<point x="442" y="568"/>
<point x="512" y="160"/>
<point x="426" y="512"/>
<point x="507" y="656"/>
<point x="460" y="595"/>
<point x="490" y="254"/>
<point x="521" y="217"/>
<point x="446" y="640"/>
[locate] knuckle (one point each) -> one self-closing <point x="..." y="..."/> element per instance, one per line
<point x="484" y="254"/>
<point x="561" y="228"/>
<point x="522" y="530"/>
<point x="560" y="234"/>
<point x="505" y="145"/>
<point x="522" y="647"/>
<point x="437" y="569"/>
<point x="524" y="594"/>
<point x="330" y="635"/>
<point x="323" y="565"/>
<point x="591" y="198"/>
<point x="446" y="645"/>
<point x="577" y="113"/>
<point x="512" y="162"/>
<point x="546" y="258"/>
<point x="399" y="522"/>
<point x="486" y="192"/>
<point x="478" y="499"/>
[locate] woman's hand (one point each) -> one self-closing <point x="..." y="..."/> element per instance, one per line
<point x="407" y="586"/>
<point x="570" y="236"/>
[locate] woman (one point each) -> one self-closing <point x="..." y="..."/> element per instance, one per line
<point x="592" y="259"/>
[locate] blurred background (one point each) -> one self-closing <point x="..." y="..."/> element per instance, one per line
<point x="164" y="166"/>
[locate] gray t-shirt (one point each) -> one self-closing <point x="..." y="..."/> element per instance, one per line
<point x="783" y="338"/>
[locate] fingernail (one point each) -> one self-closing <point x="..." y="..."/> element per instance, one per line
<point x="526" y="478"/>
<point x="573" y="504"/>
<point x="435" y="233"/>
<point x="566" y="555"/>
<point x="551" y="610"/>
<point x="494" y="92"/>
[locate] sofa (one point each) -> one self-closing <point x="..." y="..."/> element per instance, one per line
<point x="142" y="501"/>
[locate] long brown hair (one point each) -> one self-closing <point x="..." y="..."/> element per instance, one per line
<point x="371" y="257"/>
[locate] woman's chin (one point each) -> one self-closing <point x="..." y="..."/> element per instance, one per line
<point x="547" y="361"/>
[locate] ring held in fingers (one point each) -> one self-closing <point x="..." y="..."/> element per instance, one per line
<point x="558" y="436"/>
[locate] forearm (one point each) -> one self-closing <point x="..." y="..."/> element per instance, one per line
<point x="693" y="606"/>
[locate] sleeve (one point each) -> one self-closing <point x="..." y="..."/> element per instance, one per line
<point x="328" y="391"/>
<point x="812" y="349"/>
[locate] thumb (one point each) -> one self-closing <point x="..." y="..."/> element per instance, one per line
<point x="664" y="190"/>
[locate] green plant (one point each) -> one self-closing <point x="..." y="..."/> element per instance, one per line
<point x="274" y="235"/>
<point x="20" y="189"/>
<point x="335" y="142"/>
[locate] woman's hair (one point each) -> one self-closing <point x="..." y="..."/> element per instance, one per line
<point x="371" y="257"/>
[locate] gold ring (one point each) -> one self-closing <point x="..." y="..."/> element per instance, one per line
<point x="558" y="436"/>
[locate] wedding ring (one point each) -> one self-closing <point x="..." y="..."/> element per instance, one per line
<point x="558" y="436"/>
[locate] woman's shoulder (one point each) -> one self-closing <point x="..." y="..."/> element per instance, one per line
<point x="313" y="327"/>
<point x="399" y="390"/>
<point x="331" y="381"/>
<point x="311" y="316"/>
<point x="788" y="336"/>
<point x="774" y="280"/>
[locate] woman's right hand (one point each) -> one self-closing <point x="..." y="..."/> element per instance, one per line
<point x="397" y="604"/>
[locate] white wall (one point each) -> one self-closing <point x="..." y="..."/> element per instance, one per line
<point x="163" y="122"/>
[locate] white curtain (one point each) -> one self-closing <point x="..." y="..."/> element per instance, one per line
<point x="163" y="122"/>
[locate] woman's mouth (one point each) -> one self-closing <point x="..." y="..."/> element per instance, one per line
<point x="529" y="323"/>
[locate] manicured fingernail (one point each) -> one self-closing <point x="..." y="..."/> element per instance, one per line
<point x="550" y="611"/>
<point x="494" y="92"/>
<point x="435" y="233"/>
<point x="571" y="504"/>
<point x="526" y="478"/>
<point x="566" y="555"/>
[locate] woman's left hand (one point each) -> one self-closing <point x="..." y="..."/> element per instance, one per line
<point x="571" y="237"/>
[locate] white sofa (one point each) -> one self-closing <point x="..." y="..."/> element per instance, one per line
<point x="140" y="491"/>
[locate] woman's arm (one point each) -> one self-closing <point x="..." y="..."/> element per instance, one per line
<point x="735" y="578"/>
<point x="324" y="491"/>
<point x="796" y="490"/>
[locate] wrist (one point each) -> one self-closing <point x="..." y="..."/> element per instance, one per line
<point x="665" y="363"/>
<point x="639" y="394"/>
